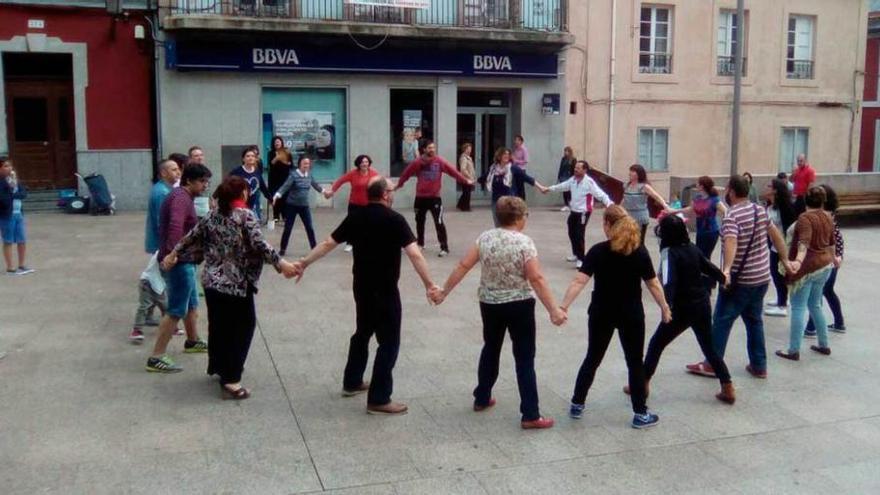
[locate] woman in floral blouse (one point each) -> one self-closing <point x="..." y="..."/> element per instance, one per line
<point x="234" y="251"/>
<point x="507" y="304"/>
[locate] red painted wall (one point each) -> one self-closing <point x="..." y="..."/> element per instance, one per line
<point x="118" y="96"/>
<point x="872" y="61"/>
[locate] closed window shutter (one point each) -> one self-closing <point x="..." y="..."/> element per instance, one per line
<point x="645" y="138"/>
<point x="658" y="157"/>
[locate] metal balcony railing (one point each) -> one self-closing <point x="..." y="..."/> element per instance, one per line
<point x="655" y="63"/>
<point x="727" y="66"/>
<point x="799" y="69"/>
<point x="533" y="15"/>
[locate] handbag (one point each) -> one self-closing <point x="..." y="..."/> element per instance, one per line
<point x="734" y="276"/>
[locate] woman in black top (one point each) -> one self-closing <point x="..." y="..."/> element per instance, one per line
<point x="280" y="166"/>
<point x="566" y="170"/>
<point x="619" y="265"/>
<point x="682" y="266"/>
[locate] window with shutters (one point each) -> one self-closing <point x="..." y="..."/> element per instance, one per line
<point x="655" y="40"/>
<point x="799" y="52"/>
<point x="654" y="148"/>
<point x="728" y="24"/>
<point x="795" y="140"/>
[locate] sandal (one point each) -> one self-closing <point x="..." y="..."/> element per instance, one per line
<point x="239" y="394"/>
<point x="702" y="368"/>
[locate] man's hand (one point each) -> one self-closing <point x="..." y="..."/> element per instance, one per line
<point x="287" y="269"/>
<point x="792" y="266"/>
<point x="726" y="274"/>
<point x="666" y="313"/>
<point x="299" y="270"/>
<point x="328" y="194"/>
<point x="169" y="261"/>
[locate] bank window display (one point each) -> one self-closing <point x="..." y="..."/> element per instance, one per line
<point x="312" y="122"/>
<point x="412" y="124"/>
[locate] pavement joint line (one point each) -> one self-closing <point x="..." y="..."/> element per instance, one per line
<point x="290" y="405"/>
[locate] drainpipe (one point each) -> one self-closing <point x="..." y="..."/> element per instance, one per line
<point x="737" y="85"/>
<point x="611" y="93"/>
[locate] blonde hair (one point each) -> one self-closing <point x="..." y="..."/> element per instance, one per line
<point x="510" y="209"/>
<point x="623" y="231"/>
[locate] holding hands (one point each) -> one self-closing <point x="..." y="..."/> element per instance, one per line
<point x="289" y="270"/>
<point x="559" y="316"/>
<point x="169" y="261"/>
<point x="436" y="294"/>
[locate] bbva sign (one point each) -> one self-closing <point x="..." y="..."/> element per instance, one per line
<point x="275" y="56"/>
<point x="491" y="62"/>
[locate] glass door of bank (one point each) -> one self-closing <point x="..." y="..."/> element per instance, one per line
<point x="487" y="129"/>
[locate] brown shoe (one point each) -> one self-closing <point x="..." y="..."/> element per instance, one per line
<point x="627" y="391"/>
<point x="363" y="387"/>
<point x="821" y="350"/>
<point x="755" y="373"/>
<point x="390" y="409"/>
<point x="727" y="394"/>
<point x="793" y="356"/>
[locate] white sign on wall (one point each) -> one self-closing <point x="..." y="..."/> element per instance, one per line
<point x="404" y="4"/>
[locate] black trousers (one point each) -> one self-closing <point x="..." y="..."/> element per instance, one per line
<point x="231" y="322"/>
<point x="435" y="206"/>
<point x="699" y="318"/>
<point x="566" y="197"/>
<point x="464" y="201"/>
<point x="378" y="313"/>
<point x="800" y="204"/>
<point x="644" y="232"/>
<point x="290" y="213"/>
<point x="518" y="318"/>
<point x="778" y="280"/>
<point x="631" y="331"/>
<point x="577" y="232"/>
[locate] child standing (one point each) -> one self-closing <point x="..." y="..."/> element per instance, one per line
<point x="11" y="218"/>
<point x="151" y="289"/>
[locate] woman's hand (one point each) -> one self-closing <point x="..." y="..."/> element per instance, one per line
<point x="559" y="316"/>
<point x="328" y="194"/>
<point x="666" y="313"/>
<point x="169" y="261"/>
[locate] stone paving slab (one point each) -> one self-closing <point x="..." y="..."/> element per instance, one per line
<point x="79" y="414"/>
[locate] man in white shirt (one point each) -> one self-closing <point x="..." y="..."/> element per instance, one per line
<point x="583" y="190"/>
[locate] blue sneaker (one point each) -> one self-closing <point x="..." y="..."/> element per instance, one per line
<point x="647" y="420"/>
<point x="576" y="411"/>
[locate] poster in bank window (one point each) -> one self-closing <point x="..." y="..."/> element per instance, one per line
<point x="307" y="133"/>
<point x="406" y="4"/>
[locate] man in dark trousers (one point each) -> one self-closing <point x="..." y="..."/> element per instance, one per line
<point x="377" y="234"/>
<point x="429" y="169"/>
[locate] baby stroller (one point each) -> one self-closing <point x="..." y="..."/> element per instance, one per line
<point x="101" y="202"/>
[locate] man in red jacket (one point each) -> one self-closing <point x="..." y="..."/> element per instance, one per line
<point x="429" y="169"/>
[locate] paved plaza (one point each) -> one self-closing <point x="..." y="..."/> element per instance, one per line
<point x="79" y="414"/>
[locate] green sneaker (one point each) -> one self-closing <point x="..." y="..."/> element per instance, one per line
<point x="163" y="364"/>
<point x="195" y="346"/>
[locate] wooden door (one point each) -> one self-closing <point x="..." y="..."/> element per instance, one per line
<point x="40" y="125"/>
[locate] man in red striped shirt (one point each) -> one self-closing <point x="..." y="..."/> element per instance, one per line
<point x="746" y="267"/>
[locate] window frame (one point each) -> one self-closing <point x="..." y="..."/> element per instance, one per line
<point x="792" y="46"/>
<point x="729" y="40"/>
<point x="788" y="167"/>
<point x="651" y="68"/>
<point x="650" y="165"/>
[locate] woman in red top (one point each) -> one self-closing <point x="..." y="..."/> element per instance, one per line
<point x="359" y="179"/>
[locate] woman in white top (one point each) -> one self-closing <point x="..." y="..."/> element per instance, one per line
<point x="510" y="271"/>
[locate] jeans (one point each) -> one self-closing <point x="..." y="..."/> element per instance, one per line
<point x="231" y="322"/>
<point x="807" y="297"/>
<point x="378" y="312"/>
<point x="778" y="280"/>
<point x="833" y="303"/>
<point x="181" y="290"/>
<point x="746" y="302"/>
<point x="706" y="242"/>
<point x="577" y="226"/>
<point x="435" y="206"/>
<point x="517" y="318"/>
<point x="697" y="317"/>
<point x="631" y="331"/>
<point x="290" y="213"/>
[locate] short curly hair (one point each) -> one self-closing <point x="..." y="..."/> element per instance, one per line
<point x="510" y="209"/>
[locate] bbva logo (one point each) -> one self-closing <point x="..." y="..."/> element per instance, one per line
<point x="491" y="62"/>
<point x="275" y="56"/>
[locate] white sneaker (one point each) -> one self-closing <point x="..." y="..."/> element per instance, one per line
<point x="776" y="311"/>
<point x="347" y="248"/>
<point x="578" y="264"/>
<point x="771" y="305"/>
<point x="571" y="259"/>
<point x="564" y="209"/>
<point x="442" y="253"/>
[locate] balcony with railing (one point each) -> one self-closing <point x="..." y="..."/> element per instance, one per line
<point x="727" y="66"/>
<point x="655" y="63"/>
<point x="799" y="69"/>
<point x="530" y="20"/>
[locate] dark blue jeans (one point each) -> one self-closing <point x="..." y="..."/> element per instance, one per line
<point x="778" y="280"/>
<point x="748" y="303"/>
<point x="706" y="242"/>
<point x="290" y="213"/>
<point x="378" y="313"/>
<point x="518" y="318"/>
<point x="833" y="303"/>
